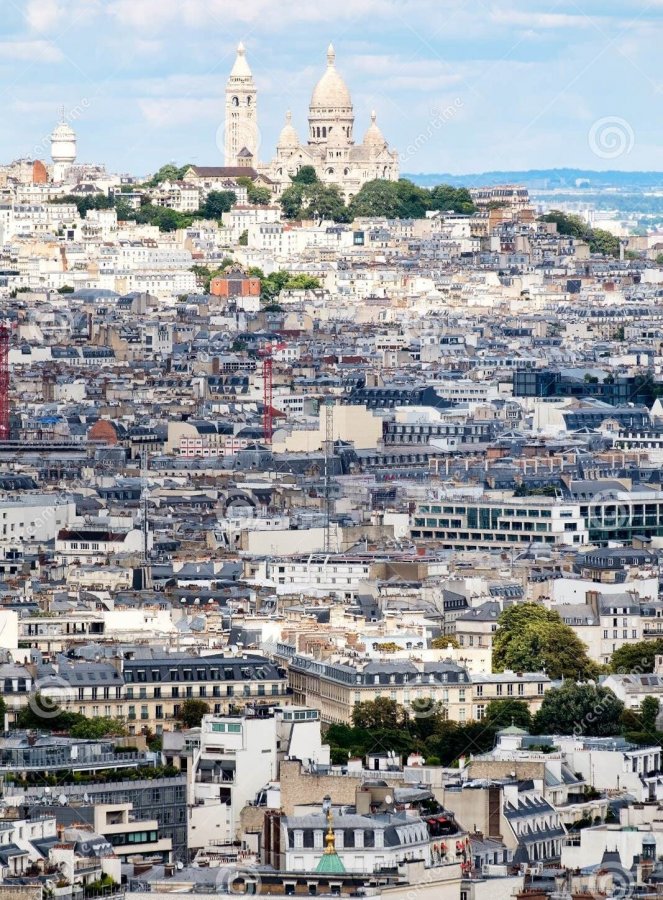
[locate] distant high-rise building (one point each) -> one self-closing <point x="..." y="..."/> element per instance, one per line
<point x="241" y="125"/>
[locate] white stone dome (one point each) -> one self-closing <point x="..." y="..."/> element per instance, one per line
<point x="288" y="139"/>
<point x="374" y="137"/>
<point x="331" y="92"/>
<point x="241" y="68"/>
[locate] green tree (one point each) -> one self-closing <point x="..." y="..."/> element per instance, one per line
<point x="442" y="641"/>
<point x="531" y="638"/>
<point x="124" y="211"/>
<point x="446" y="198"/>
<point x="313" y="200"/>
<point x="256" y="195"/>
<point x="216" y="203"/>
<point x="502" y="713"/>
<point x="381" y="713"/>
<point x="579" y="709"/>
<point x="66" y="289"/>
<point x="599" y="241"/>
<point x="93" y="729"/>
<point x="426" y="717"/>
<point x="302" y="283"/>
<point x="191" y="713"/>
<point x="659" y="259"/>
<point x="637" y="658"/>
<point x="648" y="713"/>
<point x="377" y="198"/>
<point x="243" y="238"/>
<point x="305" y="175"/>
<point x="169" y="172"/>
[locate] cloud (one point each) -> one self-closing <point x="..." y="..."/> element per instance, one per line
<point x="30" y="51"/>
<point x="168" y="113"/>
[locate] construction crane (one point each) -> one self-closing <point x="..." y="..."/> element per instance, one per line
<point x="5" y="335"/>
<point x="267" y="354"/>
<point x="329" y="452"/>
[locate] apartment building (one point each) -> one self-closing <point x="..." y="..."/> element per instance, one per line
<point x="147" y="694"/>
<point x="335" y="687"/>
<point x="498" y="519"/>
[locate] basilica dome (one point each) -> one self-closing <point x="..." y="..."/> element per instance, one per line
<point x="331" y="92"/>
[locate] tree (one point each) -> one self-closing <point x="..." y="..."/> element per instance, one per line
<point x="502" y="713"/>
<point x="599" y="241"/>
<point x="243" y="238"/>
<point x="426" y="717"/>
<point x="191" y="713"/>
<point x="446" y="198"/>
<point x="217" y="203"/>
<point x="66" y="289"/>
<point x="649" y="713"/>
<point x="169" y="172"/>
<point x="381" y="713"/>
<point x="376" y="198"/>
<point x="442" y="641"/>
<point x="637" y="658"/>
<point x="309" y="200"/>
<point x="659" y="259"/>
<point x="305" y="175"/>
<point x="579" y="709"/>
<point x="531" y="638"/>
<point x="256" y="195"/>
<point x="92" y="729"/>
<point x="123" y="210"/>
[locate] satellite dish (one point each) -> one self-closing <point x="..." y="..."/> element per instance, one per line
<point x="180" y="865"/>
<point x="388" y="799"/>
<point x="47" y="790"/>
<point x="62" y="800"/>
<point x="86" y="797"/>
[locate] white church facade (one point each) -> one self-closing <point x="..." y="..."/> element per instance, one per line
<point x="330" y="147"/>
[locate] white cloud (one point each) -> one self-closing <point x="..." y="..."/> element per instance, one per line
<point x="167" y="113"/>
<point x="30" y="51"/>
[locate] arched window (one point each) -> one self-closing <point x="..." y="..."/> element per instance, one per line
<point x="249" y="100"/>
<point x="235" y="101"/>
<point x="346" y="171"/>
<point x="330" y="171"/>
<point x="324" y="131"/>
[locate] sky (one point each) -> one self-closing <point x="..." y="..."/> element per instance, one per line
<point x="458" y="85"/>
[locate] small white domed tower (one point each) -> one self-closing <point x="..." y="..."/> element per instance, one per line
<point x="288" y="142"/>
<point x="63" y="149"/>
<point x="374" y="139"/>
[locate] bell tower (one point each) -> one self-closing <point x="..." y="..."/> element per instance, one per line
<point x="241" y="125"/>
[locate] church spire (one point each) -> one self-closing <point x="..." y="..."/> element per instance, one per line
<point x="331" y="55"/>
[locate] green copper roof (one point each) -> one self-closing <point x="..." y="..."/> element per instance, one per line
<point x="330" y="864"/>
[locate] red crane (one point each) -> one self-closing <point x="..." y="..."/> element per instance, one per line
<point x="5" y="334"/>
<point x="267" y="353"/>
